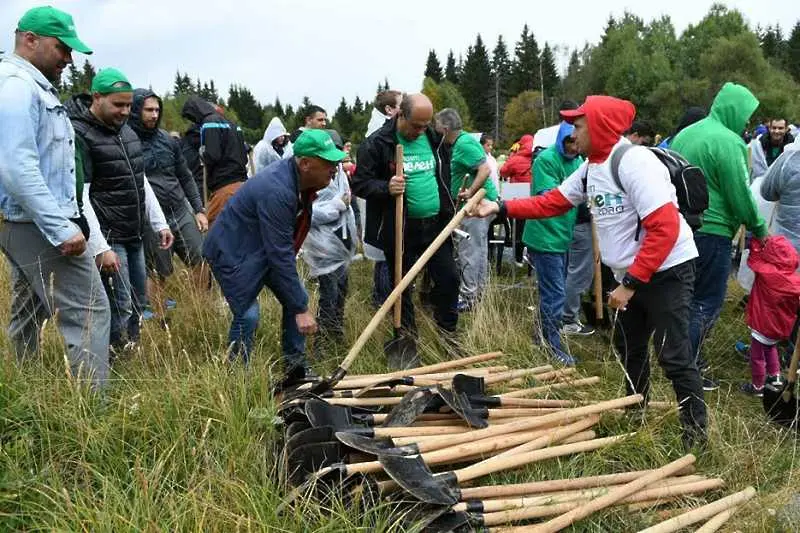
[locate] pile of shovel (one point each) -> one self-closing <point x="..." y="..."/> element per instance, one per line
<point x="417" y="440"/>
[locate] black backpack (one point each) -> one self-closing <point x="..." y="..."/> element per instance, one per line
<point x="689" y="182"/>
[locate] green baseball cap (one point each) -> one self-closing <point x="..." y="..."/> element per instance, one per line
<point x="317" y="143"/>
<point x="48" y="21"/>
<point x="111" y="80"/>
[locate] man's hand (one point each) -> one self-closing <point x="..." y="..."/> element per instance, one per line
<point x="202" y="222"/>
<point x="107" y="261"/>
<point x="306" y="323"/>
<point x="74" y="246"/>
<point x="465" y="195"/>
<point x="484" y="209"/>
<point x="346" y="199"/>
<point x="620" y="297"/>
<point x="397" y="185"/>
<point x="166" y="239"/>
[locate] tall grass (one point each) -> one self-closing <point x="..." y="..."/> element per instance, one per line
<point x="183" y="441"/>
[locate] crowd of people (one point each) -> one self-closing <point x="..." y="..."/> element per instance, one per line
<point x="96" y="199"/>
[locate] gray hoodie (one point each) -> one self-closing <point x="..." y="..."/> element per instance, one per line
<point x="782" y="185"/>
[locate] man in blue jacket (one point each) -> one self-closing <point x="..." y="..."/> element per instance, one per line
<point x="255" y="240"/>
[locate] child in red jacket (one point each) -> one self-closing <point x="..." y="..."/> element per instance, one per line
<point x="772" y="307"/>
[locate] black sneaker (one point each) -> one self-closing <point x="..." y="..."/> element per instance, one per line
<point x="751" y="390"/>
<point x="710" y="383"/>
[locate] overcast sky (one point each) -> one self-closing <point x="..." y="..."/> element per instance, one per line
<point x="330" y="49"/>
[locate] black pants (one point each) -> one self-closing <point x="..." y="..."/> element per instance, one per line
<point x="661" y="309"/>
<point x="419" y="234"/>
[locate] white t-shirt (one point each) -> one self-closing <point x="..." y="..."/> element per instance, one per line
<point x="616" y="213"/>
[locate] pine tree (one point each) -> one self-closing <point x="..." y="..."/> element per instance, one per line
<point x="385" y="84"/>
<point x="88" y="74"/>
<point x="450" y="70"/>
<point x="75" y="84"/>
<point x="277" y="108"/>
<point x="475" y="84"/>
<point x="358" y="106"/>
<point x="525" y="68"/>
<point x="213" y="95"/>
<point x="793" y="52"/>
<point x="344" y="119"/>
<point x="550" y="78"/>
<point x="244" y="104"/>
<point x="501" y="79"/>
<point x="433" y="69"/>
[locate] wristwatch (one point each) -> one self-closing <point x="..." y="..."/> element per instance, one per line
<point x="629" y="282"/>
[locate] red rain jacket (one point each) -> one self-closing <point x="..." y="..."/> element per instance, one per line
<point x="775" y="298"/>
<point x="518" y="167"/>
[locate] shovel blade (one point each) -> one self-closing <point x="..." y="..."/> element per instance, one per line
<point x="469" y="385"/>
<point x="374" y="446"/>
<point x="309" y="458"/>
<point x="296" y="427"/>
<point x="453" y="522"/>
<point x="410" y="407"/>
<point x="414" y="476"/>
<point x="321" y="413"/>
<point x="311" y="435"/>
<point x="401" y="352"/>
<point x="777" y="408"/>
<point x="460" y="405"/>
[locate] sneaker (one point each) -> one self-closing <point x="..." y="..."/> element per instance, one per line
<point x="148" y="314"/>
<point x="710" y="383"/>
<point x="576" y="328"/>
<point x="464" y="306"/>
<point x="564" y="358"/>
<point x="170" y="304"/>
<point x="751" y="390"/>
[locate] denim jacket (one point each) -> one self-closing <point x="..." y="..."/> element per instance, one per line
<point x="37" y="152"/>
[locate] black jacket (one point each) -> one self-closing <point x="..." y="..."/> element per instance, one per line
<point x="113" y="163"/>
<point x="766" y="144"/>
<point x="164" y="164"/>
<point x="225" y="154"/>
<point x="376" y="166"/>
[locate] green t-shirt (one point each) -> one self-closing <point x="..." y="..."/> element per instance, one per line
<point x="468" y="156"/>
<point x="419" y="167"/>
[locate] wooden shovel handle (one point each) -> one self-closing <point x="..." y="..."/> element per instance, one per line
<point x="398" y="235"/>
<point x="537" y="487"/>
<point x="414" y="431"/>
<point x="713" y="525"/>
<point x="598" y="274"/>
<point x="702" y="513"/>
<point x="615" y="495"/>
<point x="415" y="269"/>
<point x="430" y="369"/>
<point x="791" y="376"/>
<point x="490" y="466"/>
<point x="583" y="382"/>
<point x="534" y="422"/>
<point x="553" y="436"/>
<point x="515" y="374"/>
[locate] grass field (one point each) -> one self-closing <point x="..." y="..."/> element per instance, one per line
<point x="181" y="441"/>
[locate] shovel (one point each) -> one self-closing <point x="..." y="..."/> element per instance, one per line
<point x="416" y="478"/>
<point x="475" y="390"/>
<point x="337" y="375"/>
<point x="401" y="351"/>
<point x="538" y="422"/>
<point x="598" y="275"/>
<point x="780" y="398"/>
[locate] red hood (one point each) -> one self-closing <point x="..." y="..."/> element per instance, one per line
<point x="608" y="118"/>
<point x="525" y="145"/>
<point x="778" y="260"/>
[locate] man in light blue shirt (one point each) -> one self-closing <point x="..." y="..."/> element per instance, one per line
<point x="44" y="235"/>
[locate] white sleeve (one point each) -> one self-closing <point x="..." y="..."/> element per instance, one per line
<point x="97" y="243"/>
<point x="573" y="187"/>
<point x="154" y="213"/>
<point x="646" y="181"/>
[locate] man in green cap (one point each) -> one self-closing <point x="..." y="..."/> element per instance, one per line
<point x="44" y="235"/>
<point x="113" y="170"/>
<point x="254" y="244"/>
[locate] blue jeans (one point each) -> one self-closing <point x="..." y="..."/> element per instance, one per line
<point x="382" y="283"/>
<point x="579" y="272"/>
<point x="551" y="271"/>
<point x="332" y="295"/>
<point x="712" y="269"/>
<point x="241" y="337"/>
<point x="126" y="292"/>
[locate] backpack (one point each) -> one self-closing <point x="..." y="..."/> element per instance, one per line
<point x="689" y="182"/>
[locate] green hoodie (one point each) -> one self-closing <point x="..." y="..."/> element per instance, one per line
<point x="715" y="145"/>
<point x="550" y="168"/>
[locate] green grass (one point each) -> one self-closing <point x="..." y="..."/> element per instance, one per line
<point x="183" y="442"/>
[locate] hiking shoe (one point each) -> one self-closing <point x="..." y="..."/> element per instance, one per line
<point x="710" y="383"/>
<point x="564" y="358"/>
<point x="148" y="314"/>
<point x="751" y="390"/>
<point x="578" y="329"/>
<point x="464" y="306"/>
<point x="170" y="304"/>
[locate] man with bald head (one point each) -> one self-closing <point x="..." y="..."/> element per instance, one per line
<point x="428" y="207"/>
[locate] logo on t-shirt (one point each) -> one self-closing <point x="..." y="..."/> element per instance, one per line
<point x="413" y="164"/>
<point x="606" y="203"/>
